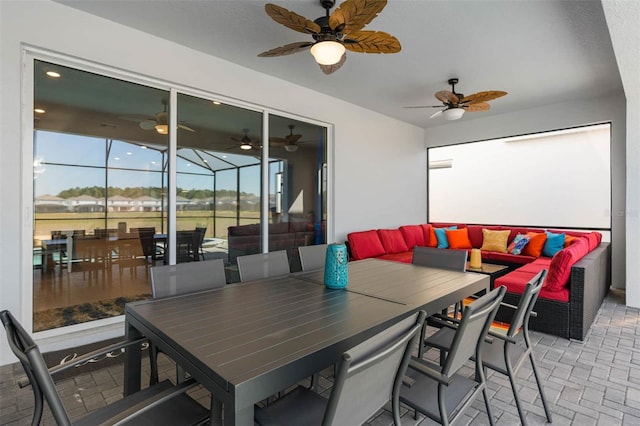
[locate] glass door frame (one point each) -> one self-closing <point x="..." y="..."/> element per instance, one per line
<point x="29" y="55"/>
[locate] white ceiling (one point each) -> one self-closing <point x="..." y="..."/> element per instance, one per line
<point x="541" y="52"/>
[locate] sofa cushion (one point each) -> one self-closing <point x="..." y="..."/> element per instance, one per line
<point x="279" y="228"/>
<point x="594" y="239"/>
<point x="429" y="235"/>
<point x="441" y="236"/>
<point x="458" y="238"/>
<point x="516" y="281"/>
<point x="508" y="258"/>
<point x="405" y="256"/>
<point x="243" y="230"/>
<point x="561" y="263"/>
<point x="494" y="240"/>
<point x="365" y="244"/>
<point x="535" y="244"/>
<point x="553" y="244"/>
<point x="413" y="235"/>
<point x="392" y="241"/>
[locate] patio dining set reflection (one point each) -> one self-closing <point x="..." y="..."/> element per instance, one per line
<point x="105" y="248"/>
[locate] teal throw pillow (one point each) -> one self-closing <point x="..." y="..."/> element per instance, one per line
<point x="554" y="243"/>
<point x="441" y="236"/>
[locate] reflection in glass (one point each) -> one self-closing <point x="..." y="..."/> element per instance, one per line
<point x="99" y="195"/>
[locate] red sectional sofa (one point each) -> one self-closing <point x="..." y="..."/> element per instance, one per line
<point x="578" y="266"/>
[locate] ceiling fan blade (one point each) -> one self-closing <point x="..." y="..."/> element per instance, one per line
<point x="148" y="125"/>
<point x="291" y="19"/>
<point x="447" y="97"/>
<point x="436" y="114"/>
<point x="135" y="117"/>
<point x="482" y="97"/>
<point x="355" y="14"/>
<point x="292" y="138"/>
<point x="287" y="49"/>
<point x="183" y="127"/>
<point x="373" y="42"/>
<point x="480" y="106"/>
<point x="425" y="106"/>
<point x="330" y="69"/>
<point x="276" y="141"/>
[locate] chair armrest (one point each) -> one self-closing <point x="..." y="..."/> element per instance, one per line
<point x="444" y="321"/>
<point x="147" y="404"/>
<point x="491" y="334"/>
<point x="429" y="372"/>
<point x="83" y="359"/>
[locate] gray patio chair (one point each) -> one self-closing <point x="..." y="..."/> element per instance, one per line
<point x="159" y="404"/>
<point x="369" y="375"/>
<point x="312" y="257"/>
<point x="263" y="265"/>
<point x="504" y="353"/>
<point x="172" y="280"/>
<point x="454" y="260"/>
<point x="439" y="392"/>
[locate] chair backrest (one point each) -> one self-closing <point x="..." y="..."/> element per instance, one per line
<point x="263" y="265"/>
<point x="455" y="260"/>
<point x="527" y="301"/>
<point x="171" y="280"/>
<point x="312" y="257"/>
<point x="474" y="324"/>
<point x="370" y="373"/>
<point x="25" y="349"/>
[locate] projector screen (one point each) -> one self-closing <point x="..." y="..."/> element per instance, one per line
<point x="552" y="179"/>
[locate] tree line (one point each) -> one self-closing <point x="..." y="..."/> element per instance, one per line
<point x="135" y="192"/>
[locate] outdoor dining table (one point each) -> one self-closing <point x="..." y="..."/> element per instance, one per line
<point x="249" y="341"/>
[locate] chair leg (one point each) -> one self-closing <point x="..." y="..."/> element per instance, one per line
<point x="512" y="380"/>
<point x="153" y="363"/>
<point x="547" y="411"/>
<point x="487" y="405"/>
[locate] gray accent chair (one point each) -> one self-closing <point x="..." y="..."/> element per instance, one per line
<point x="263" y="265"/>
<point x="504" y="353"/>
<point x="454" y="260"/>
<point x="173" y="280"/>
<point x="369" y="375"/>
<point x="439" y="392"/>
<point x="312" y="257"/>
<point x="158" y="404"/>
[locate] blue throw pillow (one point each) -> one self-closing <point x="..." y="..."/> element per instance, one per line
<point x="441" y="236"/>
<point x="518" y="244"/>
<point x="554" y="243"/>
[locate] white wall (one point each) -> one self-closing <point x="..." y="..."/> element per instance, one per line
<point x="379" y="163"/>
<point x="538" y="180"/>
<point x="553" y="117"/>
<point x="623" y="20"/>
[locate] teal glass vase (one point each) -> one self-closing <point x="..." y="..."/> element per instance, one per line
<point x="335" y="267"/>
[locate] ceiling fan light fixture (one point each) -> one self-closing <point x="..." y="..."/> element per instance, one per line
<point x="245" y="146"/>
<point x="453" y="113"/>
<point x="163" y="129"/>
<point x="327" y="52"/>
<point x="291" y="148"/>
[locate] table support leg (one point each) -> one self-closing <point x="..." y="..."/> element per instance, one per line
<point x="132" y="362"/>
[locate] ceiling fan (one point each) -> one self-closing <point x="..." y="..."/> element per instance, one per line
<point x="334" y="32"/>
<point x="160" y="122"/>
<point x="289" y="142"/>
<point x="246" y="143"/>
<point x="455" y="104"/>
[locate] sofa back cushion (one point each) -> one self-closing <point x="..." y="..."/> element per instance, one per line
<point x="392" y="241"/>
<point x="535" y="245"/>
<point x="413" y="235"/>
<point x="365" y="244"/>
<point x="429" y="235"/>
<point x="561" y="263"/>
<point x="458" y="238"/>
<point x="242" y="230"/>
